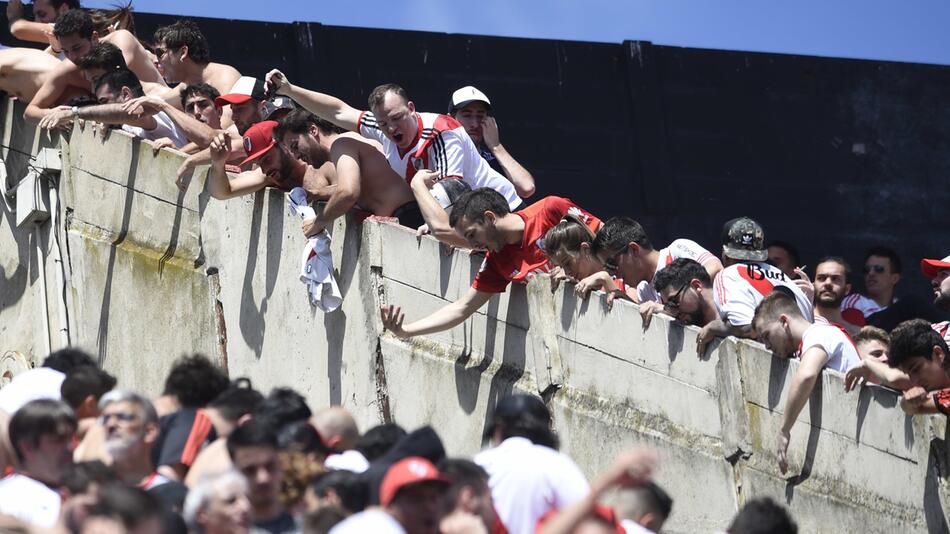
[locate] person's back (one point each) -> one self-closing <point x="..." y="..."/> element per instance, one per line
<point x="23" y="70"/>
<point x="739" y="288"/>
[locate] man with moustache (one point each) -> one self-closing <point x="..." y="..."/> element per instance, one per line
<point x="938" y="271"/>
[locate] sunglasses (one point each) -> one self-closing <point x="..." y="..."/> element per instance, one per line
<point x="612" y="263"/>
<point x="673" y="302"/>
<point x="160" y="52"/>
<point x="122" y="417"/>
<point x="879" y="269"/>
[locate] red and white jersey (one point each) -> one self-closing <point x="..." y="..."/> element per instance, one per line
<point x="441" y="145"/>
<point x="943" y="328"/>
<point x="841" y="352"/>
<point x="739" y="288"/>
<point x="855" y="308"/>
<point x="680" y="248"/>
<point x="518" y="262"/>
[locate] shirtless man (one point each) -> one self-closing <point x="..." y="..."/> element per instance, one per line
<point x="363" y="175"/>
<point x="45" y="13"/>
<point x="184" y="59"/>
<point x="23" y="71"/>
<point x="75" y="31"/>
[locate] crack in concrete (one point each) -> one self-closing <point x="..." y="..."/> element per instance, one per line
<point x="137" y="191"/>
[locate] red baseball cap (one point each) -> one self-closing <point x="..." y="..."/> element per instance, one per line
<point x="246" y="88"/>
<point x="407" y="472"/>
<point x="931" y="268"/>
<point x="258" y="139"/>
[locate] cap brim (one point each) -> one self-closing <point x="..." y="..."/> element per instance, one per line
<point x="258" y="154"/>
<point x="931" y="268"/>
<point x="745" y="254"/>
<point x="226" y="100"/>
<point x="461" y="105"/>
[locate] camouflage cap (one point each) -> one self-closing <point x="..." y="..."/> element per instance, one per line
<point x="743" y="239"/>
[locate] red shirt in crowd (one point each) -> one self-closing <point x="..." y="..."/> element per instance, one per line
<point x="517" y="263"/>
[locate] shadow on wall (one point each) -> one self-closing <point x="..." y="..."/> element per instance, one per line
<point x="102" y="339"/>
<point x="252" y="319"/>
<point x="14" y="284"/>
<point x="937" y="472"/>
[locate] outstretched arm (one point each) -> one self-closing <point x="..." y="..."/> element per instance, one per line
<point x="435" y="216"/>
<point x="445" y="318"/>
<point x="324" y="106"/>
<point x="798" y="392"/>
<point x="196" y="131"/>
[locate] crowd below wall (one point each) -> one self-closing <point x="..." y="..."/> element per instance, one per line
<point x="463" y="201"/>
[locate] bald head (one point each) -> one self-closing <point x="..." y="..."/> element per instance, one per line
<point x="337" y="427"/>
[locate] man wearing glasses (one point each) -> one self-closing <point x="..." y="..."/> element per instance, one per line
<point x="183" y="58"/>
<point x="882" y="272"/>
<point x="626" y="251"/>
<point x="725" y="306"/>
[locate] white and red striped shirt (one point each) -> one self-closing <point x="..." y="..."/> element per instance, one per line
<point x="441" y="145"/>
<point x="943" y="328"/>
<point x="855" y="308"/>
<point x="680" y="248"/>
<point x="739" y="288"/>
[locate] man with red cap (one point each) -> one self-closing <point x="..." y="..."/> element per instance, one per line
<point x="938" y="271"/>
<point x="409" y="495"/>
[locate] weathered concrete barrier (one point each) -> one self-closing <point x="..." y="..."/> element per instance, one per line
<point x="150" y="273"/>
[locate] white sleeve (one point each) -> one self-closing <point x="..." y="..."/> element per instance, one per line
<point x="568" y="482"/>
<point x="687" y="248"/>
<point x="367" y="127"/>
<point x="166" y="127"/>
<point x="447" y="156"/>
<point x="736" y="303"/>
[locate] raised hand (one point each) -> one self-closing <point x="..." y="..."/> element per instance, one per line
<point x="274" y="82"/>
<point x="393" y="317"/>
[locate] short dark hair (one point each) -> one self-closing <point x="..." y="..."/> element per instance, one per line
<point x="65" y="360"/>
<point x="679" y="273"/>
<point x="617" y="232"/>
<point x="378" y="94"/>
<point x="203" y="89"/>
<point x="185" y="32"/>
<point x="886" y="252"/>
<point x="36" y="419"/>
<point x="915" y="339"/>
<point x="195" y="381"/>
<point x="525" y="416"/>
<point x="377" y="441"/>
<point x="461" y="474"/>
<point x="299" y="120"/>
<point x="79" y="476"/>
<point x="74" y="21"/>
<point x="106" y="56"/>
<point x="238" y="400"/>
<point x="762" y="516"/>
<point x="283" y="406"/>
<point x="789" y="248"/>
<point x="254" y="433"/>
<point x="84" y="381"/>
<point x="473" y="204"/>
<point x="351" y="488"/>
<point x="834" y="259"/>
<point x="117" y="79"/>
<point x="73" y="4"/>
<point x="129" y="505"/>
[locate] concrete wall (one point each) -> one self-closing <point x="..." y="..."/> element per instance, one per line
<point x="152" y="273"/>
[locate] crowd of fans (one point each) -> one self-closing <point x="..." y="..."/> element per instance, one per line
<point x="226" y="458"/>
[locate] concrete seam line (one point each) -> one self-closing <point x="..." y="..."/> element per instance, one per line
<point x="137" y="191"/>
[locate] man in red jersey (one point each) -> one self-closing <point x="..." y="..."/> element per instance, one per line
<point x="515" y="253"/>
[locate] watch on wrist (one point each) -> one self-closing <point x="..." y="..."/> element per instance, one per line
<point x="75" y="110"/>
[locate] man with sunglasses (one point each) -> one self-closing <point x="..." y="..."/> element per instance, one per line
<point x="725" y="307"/>
<point x="882" y="272"/>
<point x="627" y="252"/>
<point x="184" y="58"/>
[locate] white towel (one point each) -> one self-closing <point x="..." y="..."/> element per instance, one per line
<point x="316" y="263"/>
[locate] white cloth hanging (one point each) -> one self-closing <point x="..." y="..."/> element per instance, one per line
<point x="316" y="263"/>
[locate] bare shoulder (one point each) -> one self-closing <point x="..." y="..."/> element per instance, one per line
<point x="120" y="38"/>
<point x="355" y="141"/>
<point x="222" y="77"/>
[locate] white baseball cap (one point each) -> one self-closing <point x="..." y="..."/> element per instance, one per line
<point x="448" y="191"/>
<point x="466" y="95"/>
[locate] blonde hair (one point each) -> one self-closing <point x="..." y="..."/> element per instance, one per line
<point x="566" y="237"/>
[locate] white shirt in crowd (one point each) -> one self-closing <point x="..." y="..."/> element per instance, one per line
<point x="165" y="127"/>
<point x="443" y="146"/>
<point x="347" y="461"/>
<point x="374" y="520"/>
<point x="34" y="384"/>
<point x="842" y="354"/>
<point x="942" y="328"/>
<point x="633" y="527"/>
<point x="855" y="308"/>
<point x="680" y="248"/>
<point x="739" y="288"/>
<point x="29" y="500"/>
<point x="528" y="480"/>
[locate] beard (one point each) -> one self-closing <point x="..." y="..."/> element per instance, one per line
<point x="120" y="447"/>
<point x="829" y="299"/>
<point x="942" y="302"/>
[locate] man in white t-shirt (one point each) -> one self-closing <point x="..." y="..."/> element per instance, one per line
<point x="412" y="141"/>
<point x="527" y="475"/>
<point x="44" y="455"/>
<point x="724" y="306"/>
<point x="786" y="332"/>
<point x="628" y="254"/>
<point x="120" y="86"/>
